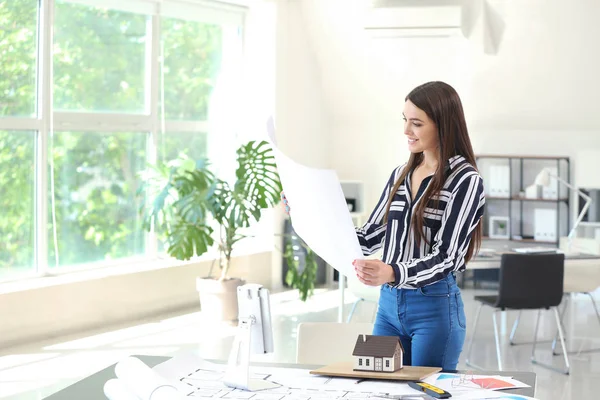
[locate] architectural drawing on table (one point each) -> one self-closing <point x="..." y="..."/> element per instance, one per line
<point x="377" y="353"/>
<point x="207" y="384"/>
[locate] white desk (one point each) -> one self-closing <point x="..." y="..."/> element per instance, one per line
<point x="91" y="388"/>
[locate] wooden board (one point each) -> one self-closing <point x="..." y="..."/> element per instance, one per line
<point x="345" y="369"/>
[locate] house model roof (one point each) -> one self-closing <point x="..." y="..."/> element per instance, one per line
<point x="376" y="346"/>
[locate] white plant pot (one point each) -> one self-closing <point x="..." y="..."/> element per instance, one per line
<point x="218" y="299"/>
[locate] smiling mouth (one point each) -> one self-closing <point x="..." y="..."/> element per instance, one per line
<point x="411" y="141"/>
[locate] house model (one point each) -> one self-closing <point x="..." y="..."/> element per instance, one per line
<point x="378" y="353"/>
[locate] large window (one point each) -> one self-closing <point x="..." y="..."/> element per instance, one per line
<point x="96" y="179"/>
<point x="18" y="61"/>
<point x="187" y="82"/>
<point x="176" y="144"/>
<point x="18" y="98"/>
<point x="99" y="59"/>
<point x="119" y="85"/>
<point x="17" y="155"/>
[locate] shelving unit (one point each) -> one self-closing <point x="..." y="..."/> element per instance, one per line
<point x="521" y="172"/>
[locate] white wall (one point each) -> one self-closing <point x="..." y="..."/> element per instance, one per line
<point x="301" y="115"/>
<point x="537" y="94"/>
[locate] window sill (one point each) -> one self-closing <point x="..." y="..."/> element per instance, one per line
<point x="36" y="308"/>
<point x="128" y="266"/>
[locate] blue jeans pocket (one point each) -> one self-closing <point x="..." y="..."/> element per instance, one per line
<point x="460" y="311"/>
<point x="438" y="289"/>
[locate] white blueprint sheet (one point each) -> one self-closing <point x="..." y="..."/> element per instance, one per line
<point x="198" y="378"/>
<point x="319" y="213"/>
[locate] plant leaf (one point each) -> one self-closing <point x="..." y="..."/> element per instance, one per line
<point x="187" y="240"/>
<point x="258" y="186"/>
<point x="303" y="280"/>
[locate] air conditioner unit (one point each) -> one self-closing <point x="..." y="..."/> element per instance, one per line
<point x="426" y="21"/>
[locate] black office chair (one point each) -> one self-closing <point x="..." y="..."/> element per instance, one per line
<point x="527" y="282"/>
<point x="566" y="296"/>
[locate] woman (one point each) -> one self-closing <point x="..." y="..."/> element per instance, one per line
<point x="428" y="223"/>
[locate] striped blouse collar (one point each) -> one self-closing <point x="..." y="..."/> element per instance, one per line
<point x="454" y="162"/>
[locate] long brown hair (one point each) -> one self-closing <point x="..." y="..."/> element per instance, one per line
<point x="442" y="105"/>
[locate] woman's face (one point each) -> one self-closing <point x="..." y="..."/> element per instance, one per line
<point x="421" y="132"/>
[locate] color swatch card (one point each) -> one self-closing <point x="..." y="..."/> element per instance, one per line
<point x="467" y="386"/>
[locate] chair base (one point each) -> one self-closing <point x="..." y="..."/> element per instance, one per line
<point x="554" y="352"/>
<point x="554" y="341"/>
<point x="513" y="332"/>
<point x="566" y="370"/>
<point x="496" y="337"/>
<point x="594" y="350"/>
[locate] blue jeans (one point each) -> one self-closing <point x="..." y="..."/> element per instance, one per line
<point x="430" y="322"/>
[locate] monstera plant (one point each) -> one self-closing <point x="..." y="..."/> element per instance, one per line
<point x="192" y="208"/>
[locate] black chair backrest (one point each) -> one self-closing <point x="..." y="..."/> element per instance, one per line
<point x="531" y="280"/>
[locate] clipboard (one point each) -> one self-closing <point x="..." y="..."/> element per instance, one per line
<point x="346" y="370"/>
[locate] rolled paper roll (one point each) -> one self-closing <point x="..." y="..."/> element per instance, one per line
<point x="143" y="381"/>
<point x="114" y="389"/>
<point x="167" y="393"/>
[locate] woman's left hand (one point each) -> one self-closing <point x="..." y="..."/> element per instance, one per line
<point x="373" y="272"/>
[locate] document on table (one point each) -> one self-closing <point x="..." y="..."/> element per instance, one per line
<point x="199" y="377"/>
<point x="136" y="381"/>
<point x="195" y="377"/>
<point x="319" y="212"/>
<point x="466" y="386"/>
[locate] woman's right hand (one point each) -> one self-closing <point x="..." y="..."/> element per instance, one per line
<point x="286" y="205"/>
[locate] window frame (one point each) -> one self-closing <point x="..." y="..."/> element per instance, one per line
<point x="46" y="121"/>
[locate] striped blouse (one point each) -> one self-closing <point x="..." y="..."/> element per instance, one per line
<point x="448" y="227"/>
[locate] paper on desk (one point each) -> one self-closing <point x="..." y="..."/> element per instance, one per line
<point x="465" y="386"/>
<point x="137" y="379"/>
<point x="183" y="362"/>
<point x="115" y="389"/>
<point x="489" y="395"/>
<point x="455" y="382"/>
<point x="319" y="212"/>
<point x="202" y="375"/>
